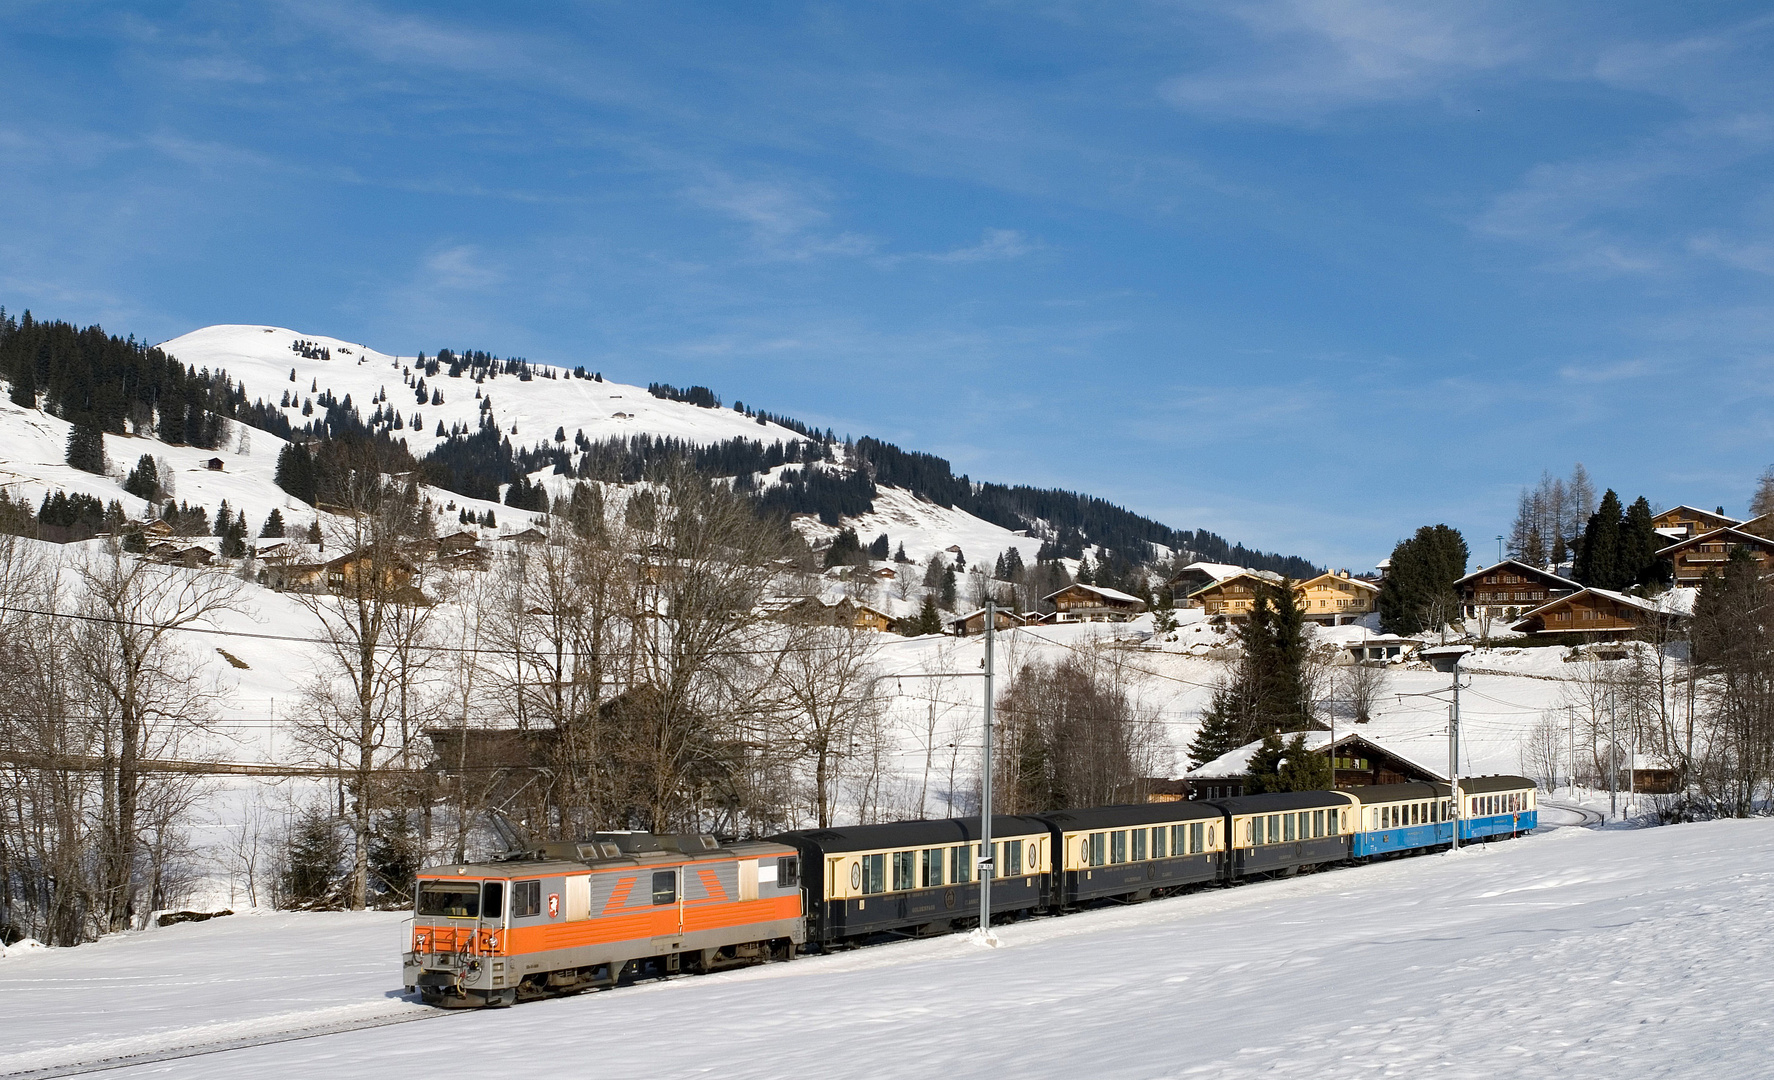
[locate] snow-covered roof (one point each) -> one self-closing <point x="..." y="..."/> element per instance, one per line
<point x="1525" y="567"/>
<point x="1678" y="601"/>
<point x="1237" y="762"/>
<point x="1106" y="594"/>
<point x="1216" y="570"/>
<point x="1698" y="538"/>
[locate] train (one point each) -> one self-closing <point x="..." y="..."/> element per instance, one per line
<point x="567" y="916"/>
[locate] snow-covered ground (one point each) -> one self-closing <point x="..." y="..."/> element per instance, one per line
<point x="1612" y="954"/>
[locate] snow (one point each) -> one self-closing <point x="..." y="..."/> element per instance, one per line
<point x="1237" y="762"/>
<point x="1575" y="953"/>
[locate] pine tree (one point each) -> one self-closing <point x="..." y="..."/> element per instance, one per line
<point x="273" y="527"/>
<point x="313" y="862"/>
<point x="1418" y="593"/>
<point x="314" y="531"/>
<point x="899" y="556"/>
<point x="878" y="548"/>
<point x="1639" y="543"/>
<point x="928" y="621"/>
<point x="948" y="588"/>
<point x="1220" y="732"/>
<point x="1289" y="766"/>
<point x="86" y="447"/>
<point x="24" y="386"/>
<point x="233" y="533"/>
<point x="1599" y="563"/>
<point x="144" y="480"/>
<point x="296" y="472"/>
<point x="223" y="519"/>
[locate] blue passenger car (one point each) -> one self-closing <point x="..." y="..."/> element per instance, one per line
<point x="1402" y="818"/>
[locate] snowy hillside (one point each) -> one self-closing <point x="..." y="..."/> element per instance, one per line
<point x="1620" y="954"/>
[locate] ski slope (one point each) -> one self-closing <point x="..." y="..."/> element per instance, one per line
<point x="1612" y="954"/>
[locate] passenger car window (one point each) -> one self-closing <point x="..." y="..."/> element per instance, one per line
<point x="1158" y="843"/>
<point x="665" y="887"/>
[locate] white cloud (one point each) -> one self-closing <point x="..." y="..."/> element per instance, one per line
<point x="1312" y="57"/>
<point x="459" y="267"/>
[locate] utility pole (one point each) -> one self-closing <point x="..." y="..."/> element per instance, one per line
<point x="1613" y="760"/>
<point x="1571" y="734"/>
<point x="985" y="788"/>
<point x="1454" y="753"/>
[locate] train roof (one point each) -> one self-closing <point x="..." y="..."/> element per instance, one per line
<point x="1111" y="817"/>
<point x="1476" y="785"/>
<point x="1479" y="785"/>
<point x="1276" y="801"/>
<point x="908" y="834"/>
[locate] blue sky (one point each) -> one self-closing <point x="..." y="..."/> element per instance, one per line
<point x="1308" y="274"/>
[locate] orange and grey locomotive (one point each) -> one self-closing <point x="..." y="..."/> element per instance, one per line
<point x="569" y="916"/>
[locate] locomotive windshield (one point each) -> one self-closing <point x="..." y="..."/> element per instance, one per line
<point x="458" y="899"/>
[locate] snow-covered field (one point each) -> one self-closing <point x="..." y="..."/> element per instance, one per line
<point x="1611" y="954"/>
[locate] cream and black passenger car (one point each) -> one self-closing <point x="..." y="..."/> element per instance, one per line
<point x="917" y="877"/>
<point x="1281" y="832"/>
<point x="1136" y="851"/>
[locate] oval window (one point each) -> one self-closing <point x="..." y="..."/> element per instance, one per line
<point x="1034" y="860"/>
<point x="856" y="875"/>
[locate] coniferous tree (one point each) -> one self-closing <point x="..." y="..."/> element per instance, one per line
<point x="1418" y="593"/>
<point x="24" y="387"/>
<point x="948" y="588"/>
<point x="223" y="519"/>
<point x="1289" y="766"/>
<point x="273" y="527"/>
<point x="1266" y="691"/>
<point x="86" y="447"/>
<point x="1639" y="543"/>
<point x="144" y="480"/>
<point x="878" y="548"/>
<point x="313" y="862"/>
<point x="1599" y="561"/>
<point x="314" y="531"/>
<point x="296" y="473"/>
<point x="899" y="556"/>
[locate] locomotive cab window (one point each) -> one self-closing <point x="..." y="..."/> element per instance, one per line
<point x="665" y="887"/>
<point x="460" y="900"/>
<point x="526" y="898"/>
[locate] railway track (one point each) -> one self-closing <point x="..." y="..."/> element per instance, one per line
<point x="221" y="1046"/>
<point x="1579" y="817"/>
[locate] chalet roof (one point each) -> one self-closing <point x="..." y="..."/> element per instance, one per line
<point x="1525" y="568"/>
<point x="1737" y="534"/>
<point x="1268" y="577"/>
<point x="1107" y="594"/>
<point x="1005" y="612"/>
<point x="1674" y="602"/>
<point x="1215" y="570"/>
<point x="1237" y="762"/>
<point x="1698" y="512"/>
<point x="1334" y="576"/>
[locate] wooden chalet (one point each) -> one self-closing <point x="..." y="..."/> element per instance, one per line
<point x="291" y="576"/>
<point x="1233" y="598"/>
<point x="1358" y="761"/>
<point x="531" y="535"/>
<point x="356" y="568"/>
<point x="1601" y="614"/>
<point x="458" y="541"/>
<point x="1508" y="589"/>
<point x="1089" y="603"/>
<point x="844" y="612"/>
<point x="974" y="622"/>
<point x="1335" y="598"/>
<point x="1196" y="576"/>
<point x="1688" y="521"/>
<point x="1694" y="558"/>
